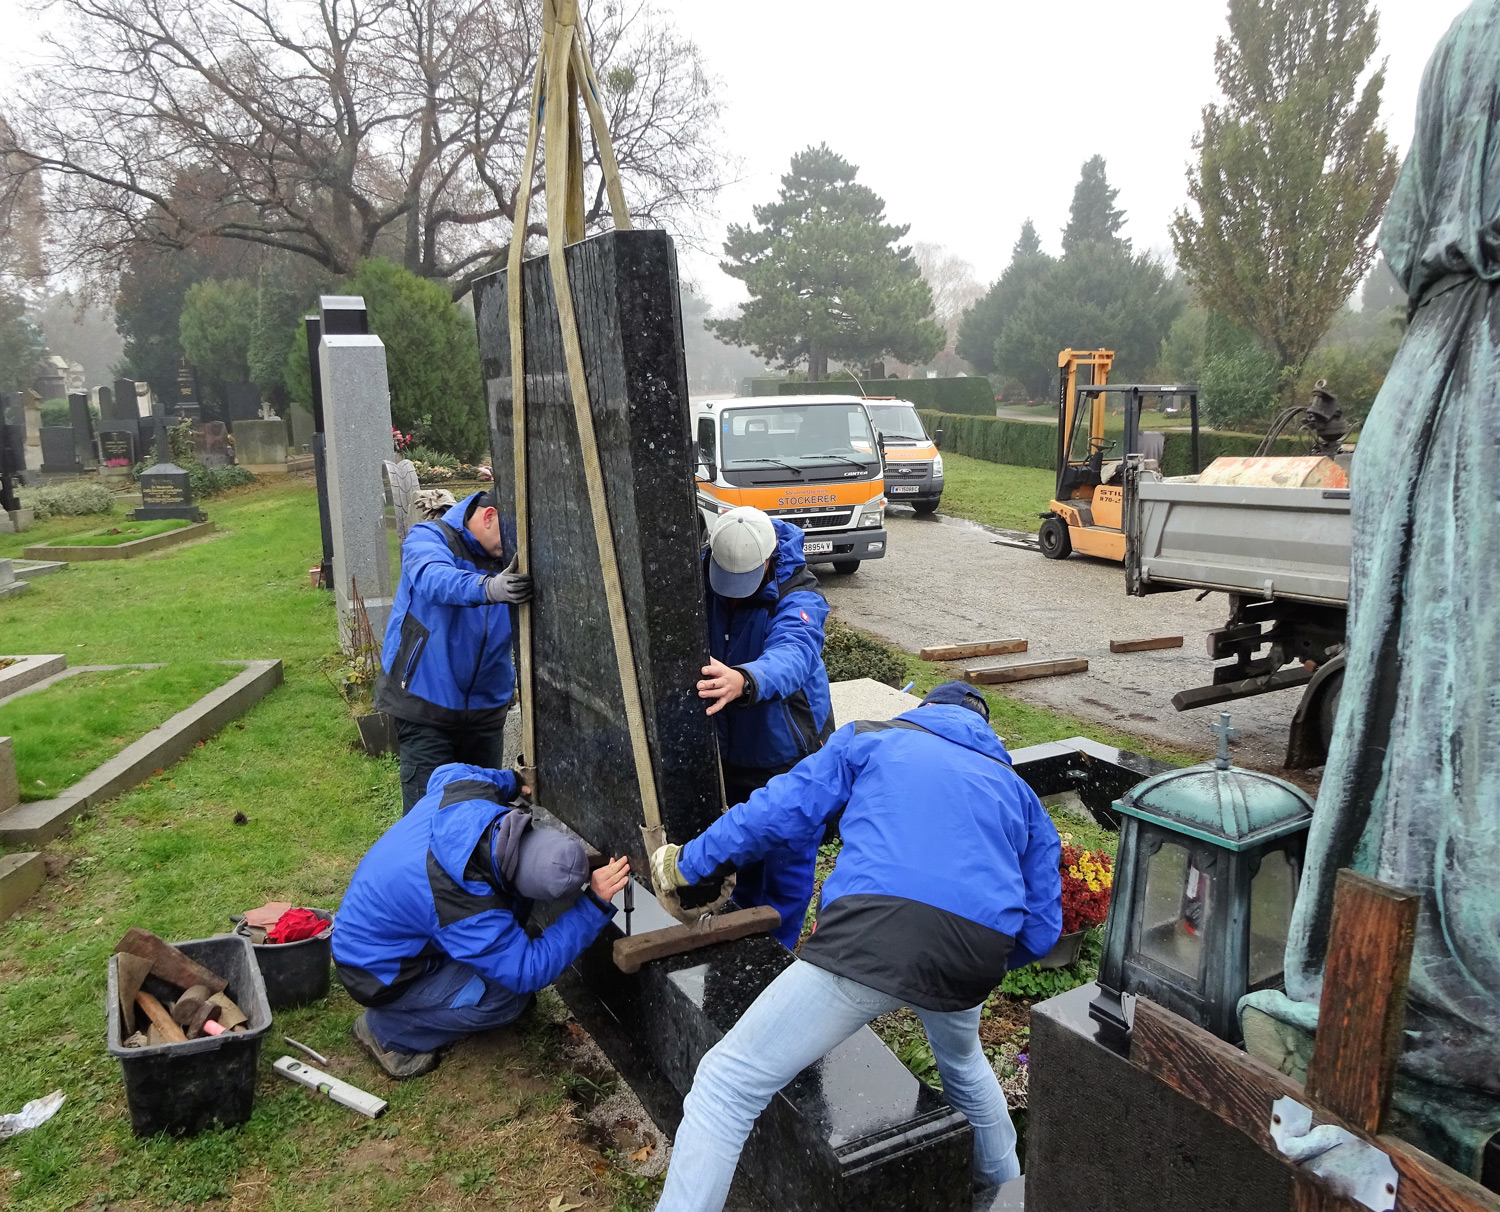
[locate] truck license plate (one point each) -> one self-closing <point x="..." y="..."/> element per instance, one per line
<point x="904" y="487"/>
<point x="817" y="546"/>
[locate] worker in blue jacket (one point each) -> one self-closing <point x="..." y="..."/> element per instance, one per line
<point x="947" y="878"/>
<point x="765" y="640"/>
<point x="431" y="936"/>
<point x="446" y="674"/>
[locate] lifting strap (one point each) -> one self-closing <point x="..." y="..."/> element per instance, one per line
<point x="564" y="73"/>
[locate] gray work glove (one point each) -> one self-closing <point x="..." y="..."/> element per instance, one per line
<point x="509" y="586"/>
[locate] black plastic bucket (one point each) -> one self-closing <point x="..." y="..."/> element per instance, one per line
<point x="295" y="973"/>
<point x="182" y="1089"/>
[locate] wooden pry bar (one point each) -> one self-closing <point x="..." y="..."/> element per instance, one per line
<point x="1025" y="671"/>
<point x="634" y="950"/>
<point x="1161" y="641"/>
<point x="980" y="648"/>
<point x="1363" y="1006"/>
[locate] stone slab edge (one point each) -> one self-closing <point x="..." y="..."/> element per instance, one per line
<point x="14" y="589"/>
<point x="122" y="551"/>
<point x="39" y="822"/>
<point x="29" y="669"/>
<point x="37" y="568"/>
<point x="20" y="876"/>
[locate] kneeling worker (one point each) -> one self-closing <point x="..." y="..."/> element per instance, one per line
<point x="447" y="676"/>
<point x="431" y="935"/>
<point x="947" y="878"/>
<point x="765" y="640"/>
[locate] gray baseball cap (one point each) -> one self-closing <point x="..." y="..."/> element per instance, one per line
<point x="740" y="543"/>
<point x="551" y="866"/>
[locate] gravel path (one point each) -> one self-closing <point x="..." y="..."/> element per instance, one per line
<point x="948" y="581"/>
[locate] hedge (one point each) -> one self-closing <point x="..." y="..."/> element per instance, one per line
<point x="1034" y="443"/>
<point x="972" y="396"/>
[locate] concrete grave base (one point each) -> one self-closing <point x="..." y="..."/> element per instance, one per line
<point x="31" y="569"/>
<point x="28" y="670"/>
<point x="122" y="551"/>
<point x="16" y="521"/>
<point x="39" y="822"/>
<point x="10" y="787"/>
<point x="9" y="586"/>
<point x="20" y="876"/>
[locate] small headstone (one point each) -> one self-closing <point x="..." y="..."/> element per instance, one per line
<point x="59" y="454"/>
<point x="31" y="410"/>
<point x="105" y="398"/>
<point x="85" y="445"/>
<point x="185" y="390"/>
<point x="124" y="400"/>
<point x="302" y="428"/>
<point x="260" y="446"/>
<point x="211" y="443"/>
<point x="117" y="444"/>
<point x="166" y="491"/>
<point x="241" y="403"/>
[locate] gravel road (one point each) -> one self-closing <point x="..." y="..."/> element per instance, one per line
<point x="948" y="581"/>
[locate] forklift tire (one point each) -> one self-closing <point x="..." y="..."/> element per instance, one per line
<point x="845" y="567"/>
<point x="1054" y="540"/>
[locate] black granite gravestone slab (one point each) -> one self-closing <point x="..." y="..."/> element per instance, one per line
<point x="185" y="389"/>
<point x="166" y="490"/>
<point x="187" y="412"/>
<point x="625" y="296"/>
<point x="116" y="444"/>
<point x="12" y="452"/>
<point x="1102" y="1133"/>
<point x="85" y="446"/>
<point x="313" y="326"/>
<point x="59" y="454"/>
<point x="241" y="403"/>
<point x="126" y="403"/>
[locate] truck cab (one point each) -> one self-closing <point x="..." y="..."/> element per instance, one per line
<point x="913" y="466"/>
<point x="813" y="461"/>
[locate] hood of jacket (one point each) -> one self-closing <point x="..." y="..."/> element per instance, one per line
<point x="961" y="726"/>
<point x="464" y="800"/>
<point x="455" y="518"/>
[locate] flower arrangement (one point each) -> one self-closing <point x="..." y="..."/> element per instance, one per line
<point x="402" y="441"/>
<point x="1087" y="877"/>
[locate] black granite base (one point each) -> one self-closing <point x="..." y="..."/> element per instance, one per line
<point x="1105" y="1136"/>
<point x="852" y="1133"/>
<point x="151" y="513"/>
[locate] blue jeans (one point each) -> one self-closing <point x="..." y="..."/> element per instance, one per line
<point x="801" y="1016"/>
<point x="444" y="1006"/>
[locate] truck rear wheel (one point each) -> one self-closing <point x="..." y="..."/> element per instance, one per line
<point x="924" y="506"/>
<point x="1328" y="708"/>
<point x="845" y="567"/>
<point x="1054" y="540"/>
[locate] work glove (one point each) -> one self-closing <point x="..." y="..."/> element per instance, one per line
<point x="664" y="870"/>
<point x="509" y="586"/>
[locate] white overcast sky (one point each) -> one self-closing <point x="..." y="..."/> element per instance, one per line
<point x="969" y="116"/>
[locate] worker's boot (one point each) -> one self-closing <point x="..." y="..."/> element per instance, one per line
<point x="396" y="1064"/>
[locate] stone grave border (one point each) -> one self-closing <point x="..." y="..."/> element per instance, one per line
<point x="31" y="569"/>
<point x="37" y="823"/>
<point x="122" y="551"/>
<point x="28" y="670"/>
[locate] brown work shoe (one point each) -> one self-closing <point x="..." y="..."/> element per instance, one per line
<point x="399" y="1065"/>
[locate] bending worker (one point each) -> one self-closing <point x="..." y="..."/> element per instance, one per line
<point x="431" y="935"/>
<point x="765" y="642"/>
<point x="947" y="878"/>
<point x="447" y="676"/>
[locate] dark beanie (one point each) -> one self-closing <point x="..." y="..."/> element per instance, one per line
<point x="961" y="694"/>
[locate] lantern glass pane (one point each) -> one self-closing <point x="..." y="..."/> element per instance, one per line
<point x="1273" y="891"/>
<point x="1174" y="910"/>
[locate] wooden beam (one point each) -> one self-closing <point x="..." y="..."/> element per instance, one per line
<point x="1026" y="670"/>
<point x="636" y="949"/>
<point x="170" y="964"/>
<point x="959" y="652"/>
<point x="1353" y="1067"/>
<point x="1161" y="641"/>
<point x="160" y="1019"/>
<point x="1239" y="1090"/>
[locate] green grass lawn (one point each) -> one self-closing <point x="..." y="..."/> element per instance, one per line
<point x="63" y="732"/>
<point x="495" y="1127"/>
<point x="995" y="494"/>
<point x="121" y="532"/>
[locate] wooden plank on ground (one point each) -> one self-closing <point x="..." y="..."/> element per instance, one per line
<point x="979" y="648"/>
<point x="1024" y="671"/>
<point x="1363" y="1010"/>
<point x="170" y="964"/>
<point x="636" y="949"/>
<point x="1151" y="645"/>
<point x="1240" y="1089"/>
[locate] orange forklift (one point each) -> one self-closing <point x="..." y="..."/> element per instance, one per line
<point x="1086" y="514"/>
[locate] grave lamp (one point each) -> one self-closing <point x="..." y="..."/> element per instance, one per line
<point x="1205" y="879"/>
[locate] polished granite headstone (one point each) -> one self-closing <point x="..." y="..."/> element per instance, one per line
<point x="82" y="421"/>
<point x="116" y="444"/>
<point x="59" y="454"/>
<point x="625" y="297"/>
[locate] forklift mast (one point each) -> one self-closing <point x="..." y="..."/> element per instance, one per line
<point x="1080" y="368"/>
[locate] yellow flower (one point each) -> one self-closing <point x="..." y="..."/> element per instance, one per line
<point x="1093" y="885"/>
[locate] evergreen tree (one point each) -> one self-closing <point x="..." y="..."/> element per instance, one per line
<point x="21" y="345"/>
<point x="215" y="327"/>
<point x="984" y="321"/>
<point x="1093" y="218"/>
<point x="1293" y="172"/>
<point x="826" y="275"/>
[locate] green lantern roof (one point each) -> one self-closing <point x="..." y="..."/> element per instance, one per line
<point x="1219" y="803"/>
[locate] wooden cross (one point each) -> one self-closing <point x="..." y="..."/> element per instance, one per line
<point x="1353" y="1066"/>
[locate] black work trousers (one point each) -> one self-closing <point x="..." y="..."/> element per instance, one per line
<point x="425" y="747"/>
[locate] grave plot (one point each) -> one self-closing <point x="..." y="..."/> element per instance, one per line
<point x="123" y="540"/>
